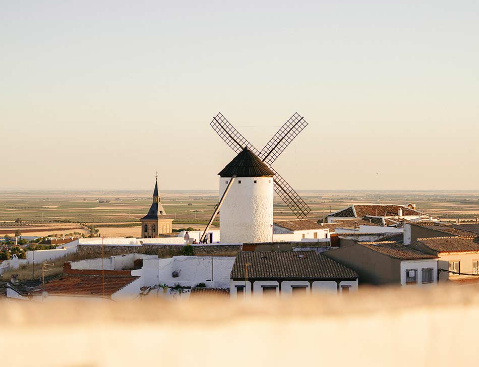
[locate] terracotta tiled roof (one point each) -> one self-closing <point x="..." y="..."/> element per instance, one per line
<point x="246" y="164"/>
<point x="201" y="292"/>
<point x="375" y="210"/>
<point x="395" y="251"/>
<point x="289" y="265"/>
<point x="299" y="225"/>
<point x="87" y="285"/>
<point x="451" y="244"/>
<point x="445" y="228"/>
<point x="349" y="223"/>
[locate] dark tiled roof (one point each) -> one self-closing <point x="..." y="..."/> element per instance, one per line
<point x="246" y="164"/>
<point x="444" y="228"/>
<point x="87" y="285"/>
<point x="289" y="265"/>
<point x="201" y="292"/>
<point x="299" y="225"/>
<point x="468" y="227"/>
<point x="451" y="244"/>
<point x="156" y="211"/>
<point x="392" y="249"/>
<point x="348" y="212"/>
<point x="375" y="210"/>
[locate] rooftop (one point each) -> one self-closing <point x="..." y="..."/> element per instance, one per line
<point x="468" y="227"/>
<point x="396" y="251"/>
<point x="375" y="210"/>
<point x="451" y="244"/>
<point x="246" y="164"/>
<point x="289" y="265"/>
<point x="87" y="285"/>
<point x="446" y="228"/>
<point x="202" y="292"/>
<point x="299" y="225"/>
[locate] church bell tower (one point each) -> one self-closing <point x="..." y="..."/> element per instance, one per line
<point x="155" y="222"/>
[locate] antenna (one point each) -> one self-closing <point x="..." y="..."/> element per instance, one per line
<point x="272" y="150"/>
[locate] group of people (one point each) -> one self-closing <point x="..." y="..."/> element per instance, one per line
<point x="195" y="242"/>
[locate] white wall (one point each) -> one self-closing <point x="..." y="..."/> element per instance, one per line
<point x="247" y="211"/>
<point x="213" y="271"/>
<point x="40" y="256"/>
<point x="407" y="234"/>
<point x="418" y="265"/>
<point x="318" y="287"/>
<point x="131" y="291"/>
<point x="117" y="262"/>
<point x="196" y="235"/>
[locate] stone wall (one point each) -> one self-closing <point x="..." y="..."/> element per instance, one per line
<point x="163" y="251"/>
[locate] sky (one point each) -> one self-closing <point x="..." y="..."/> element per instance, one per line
<point x="102" y="94"/>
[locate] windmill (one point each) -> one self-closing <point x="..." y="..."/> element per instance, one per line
<point x="271" y="151"/>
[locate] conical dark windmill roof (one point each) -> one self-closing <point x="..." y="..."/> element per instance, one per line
<point x="246" y="164"/>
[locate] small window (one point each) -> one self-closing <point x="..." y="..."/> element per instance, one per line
<point x="239" y="181"/>
<point x="411" y="276"/>
<point x="427" y="275"/>
<point x="315" y="235"/>
<point x="254" y="181"/>
<point x="269" y="181"/>
<point x="240" y="290"/>
<point x="475" y="266"/>
<point x="454" y="268"/>
<point x="269" y="290"/>
<point x="298" y="290"/>
<point x="345" y="289"/>
<point x="226" y="181"/>
<point x="303" y="235"/>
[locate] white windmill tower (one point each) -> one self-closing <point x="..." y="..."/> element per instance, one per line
<point x="247" y="183"/>
<point x="247" y="211"/>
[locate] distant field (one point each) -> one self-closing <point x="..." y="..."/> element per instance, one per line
<point x="118" y="213"/>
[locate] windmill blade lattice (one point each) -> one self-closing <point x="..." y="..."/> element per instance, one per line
<point x="230" y="135"/>
<point x="280" y="141"/>
<point x="270" y="152"/>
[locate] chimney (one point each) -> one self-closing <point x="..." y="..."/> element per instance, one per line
<point x="400" y="212"/>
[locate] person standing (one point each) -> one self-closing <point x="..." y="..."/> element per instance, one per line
<point x="187" y="238"/>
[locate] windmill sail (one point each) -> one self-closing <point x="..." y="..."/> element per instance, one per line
<point x="268" y="155"/>
<point x="280" y="141"/>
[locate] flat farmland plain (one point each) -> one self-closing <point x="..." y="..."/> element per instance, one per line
<point x="117" y="213"/>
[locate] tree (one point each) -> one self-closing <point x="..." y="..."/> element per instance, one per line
<point x="18" y="233"/>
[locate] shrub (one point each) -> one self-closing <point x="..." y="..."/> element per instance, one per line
<point x="187" y="250"/>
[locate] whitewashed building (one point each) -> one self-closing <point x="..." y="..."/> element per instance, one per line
<point x="387" y="263"/>
<point x="299" y="230"/>
<point x="288" y="274"/>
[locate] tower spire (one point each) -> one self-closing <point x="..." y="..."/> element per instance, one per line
<point x="156" y="195"/>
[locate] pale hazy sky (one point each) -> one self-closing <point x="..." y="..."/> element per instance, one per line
<point x="101" y="94"/>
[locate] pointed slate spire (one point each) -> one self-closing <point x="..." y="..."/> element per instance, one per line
<point x="156" y="195"/>
<point x="156" y="209"/>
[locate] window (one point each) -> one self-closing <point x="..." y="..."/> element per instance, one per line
<point x="240" y="290"/>
<point x="254" y="181"/>
<point x="455" y="268"/>
<point x="315" y="234"/>
<point x="475" y="266"/>
<point x="411" y="276"/>
<point x="303" y="235"/>
<point x="226" y="181"/>
<point x="427" y="275"/>
<point x="269" y="290"/>
<point x="153" y="228"/>
<point x="298" y="290"/>
<point x="345" y="289"/>
<point x="146" y="228"/>
<point x="239" y="181"/>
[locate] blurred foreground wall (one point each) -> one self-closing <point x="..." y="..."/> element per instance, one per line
<point x="371" y="328"/>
